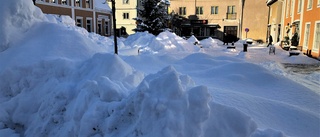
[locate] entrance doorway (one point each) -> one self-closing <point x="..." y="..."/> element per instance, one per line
<point x="232" y="33"/>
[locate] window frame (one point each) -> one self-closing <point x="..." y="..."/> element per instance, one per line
<point x="291" y="8"/>
<point x="182" y="10"/>
<point x="106" y="27"/>
<point x="214" y="10"/>
<point x="91" y="24"/>
<point x="125" y="2"/>
<point x="99" y="22"/>
<point x="199" y="10"/>
<point x="316" y="42"/>
<point x="306" y="35"/>
<point x="309" y="4"/>
<point x="90" y="4"/>
<point x="233" y="9"/>
<point x="299" y="6"/>
<point x="125" y="15"/>
<point x="53" y="1"/>
<point x="287" y="8"/>
<point x="79" y="18"/>
<point x="66" y="2"/>
<point x="80" y="3"/>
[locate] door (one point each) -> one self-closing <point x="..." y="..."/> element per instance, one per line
<point x="232" y="33"/>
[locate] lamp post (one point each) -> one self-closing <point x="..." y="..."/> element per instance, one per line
<point x="114" y="26"/>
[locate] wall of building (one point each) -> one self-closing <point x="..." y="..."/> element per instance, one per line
<point x="255" y="18"/>
<point x="275" y="21"/>
<point x="59" y="10"/>
<point x="131" y="8"/>
<point x="255" y="21"/>
<point x="83" y="13"/>
<point x="310" y="17"/>
<point x="298" y="21"/>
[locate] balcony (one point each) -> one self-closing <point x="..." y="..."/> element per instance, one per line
<point x="231" y="16"/>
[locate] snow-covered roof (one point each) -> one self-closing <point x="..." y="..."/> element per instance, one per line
<point x="102" y="5"/>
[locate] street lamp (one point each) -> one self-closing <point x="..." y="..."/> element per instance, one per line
<point x="114" y="26"/>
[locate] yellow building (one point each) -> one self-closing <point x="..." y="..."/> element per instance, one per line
<point x="227" y="14"/>
<point x="275" y="20"/>
<point x="126" y="10"/>
<point x="93" y="15"/>
<point x="303" y="17"/>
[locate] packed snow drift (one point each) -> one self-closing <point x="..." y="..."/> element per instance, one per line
<point x="59" y="80"/>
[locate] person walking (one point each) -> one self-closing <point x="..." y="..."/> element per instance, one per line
<point x="270" y="40"/>
<point x="225" y="39"/>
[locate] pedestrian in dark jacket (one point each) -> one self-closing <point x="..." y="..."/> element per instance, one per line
<point x="34" y="2"/>
<point x="270" y="41"/>
<point x="225" y="39"/>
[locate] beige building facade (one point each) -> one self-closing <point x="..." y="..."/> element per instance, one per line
<point x="126" y="10"/>
<point x="275" y="21"/>
<point x="93" y="15"/>
<point x="228" y="15"/>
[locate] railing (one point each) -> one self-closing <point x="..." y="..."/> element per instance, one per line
<point x="231" y="16"/>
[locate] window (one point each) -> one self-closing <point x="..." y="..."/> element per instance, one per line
<point x="78" y="3"/>
<point x="231" y="9"/>
<point x="53" y="1"/>
<point x="306" y="36"/>
<point x="106" y="27"/>
<point x="89" y="25"/>
<point x="291" y="8"/>
<point x="125" y="15"/>
<point x="309" y="4"/>
<point x="79" y="21"/>
<point x="88" y="4"/>
<point x="299" y="6"/>
<point x="182" y="10"/>
<point x="99" y="27"/>
<point x="318" y="3"/>
<point x="231" y="13"/>
<point x="316" y="43"/>
<point x="199" y="10"/>
<point x="125" y="1"/>
<point x="214" y="9"/>
<point x="287" y="9"/>
<point x="64" y="2"/>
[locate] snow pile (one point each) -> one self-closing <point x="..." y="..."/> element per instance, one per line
<point x="168" y="104"/>
<point x="139" y="39"/>
<point x="59" y="80"/>
<point x="17" y="16"/>
<point x="193" y="40"/>
<point x="63" y="19"/>
<point x="101" y="5"/>
<point x="97" y="97"/>
<point x="210" y="43"/>
<point x="165" y="42"/>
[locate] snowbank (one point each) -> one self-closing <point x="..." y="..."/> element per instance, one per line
<point x="17" y="16"/>
<point x="59" y="80"/>
<point x="102" y="5"/>
<point x="165" y="42"/>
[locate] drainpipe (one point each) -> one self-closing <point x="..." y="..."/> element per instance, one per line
<point x="72" y="10"/>
<point x="242" y="7"/>
<point x="268" y="31"/>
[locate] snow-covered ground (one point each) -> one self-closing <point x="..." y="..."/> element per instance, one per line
<point x="59" y="80"/>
